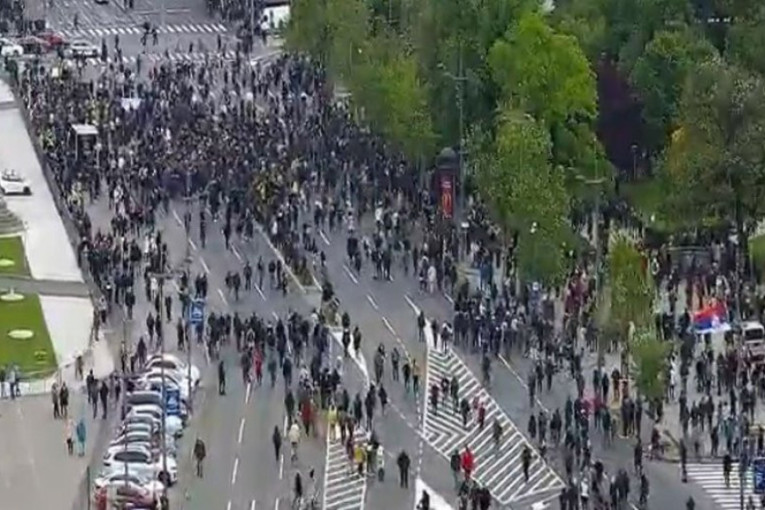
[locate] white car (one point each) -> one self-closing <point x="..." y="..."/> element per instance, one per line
<point x="173" y="424"/>
<point x="9" y="48"/>
<point x="143" y="463"/>
<point x="144" y="436"/>
<point x="83" y="49"/>
<point x="175" y="364"/>
<point x="153" y="382"/>
<point x="13" y="183"/>
<point x="113" y="477"/>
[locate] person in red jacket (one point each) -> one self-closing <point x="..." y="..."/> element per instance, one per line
<point x="468" y="462"/>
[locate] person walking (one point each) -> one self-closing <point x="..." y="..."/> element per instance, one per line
<point x="55" y="401"/>
<point x="81" y="437"/>
<point x="276" y="439"/>
<point x="403" y="461"/>
<point x="200" y="452"/>
<point x="69" y="437"/>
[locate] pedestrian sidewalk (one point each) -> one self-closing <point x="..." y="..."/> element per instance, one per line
<point x="98" y="358"/>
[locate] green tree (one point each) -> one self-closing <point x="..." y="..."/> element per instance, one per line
<point x="395" y="102"/>
<point x="716" y="160"/>
<point x="629" y="288"/>
<point x="746" y="41"/>
<point x="659" y="75"/>
<point x="308" y="30"/>
<point x="543" y="72"/>
<point x="348" y="22"/>
<point x="650" y="361"/>
<point x="527" y="195"/>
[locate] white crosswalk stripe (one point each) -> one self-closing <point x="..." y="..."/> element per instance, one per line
<point x="209" y="28"/>
<point x="180" y="57"/>
<point x="710" y="478"/>
<point x="497" y="469"/>
<point x="344" y="488"/>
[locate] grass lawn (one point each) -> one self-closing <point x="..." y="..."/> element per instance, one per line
<point x="12" y="249"/>
<point x="34" y="356"/>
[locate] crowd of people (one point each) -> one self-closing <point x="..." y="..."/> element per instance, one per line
<point x="268" y="146"/>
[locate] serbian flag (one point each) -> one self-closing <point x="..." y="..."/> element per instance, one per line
<point x="711" y="318"/>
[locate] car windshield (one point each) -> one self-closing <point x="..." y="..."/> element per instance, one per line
<point x="10" y="175"/>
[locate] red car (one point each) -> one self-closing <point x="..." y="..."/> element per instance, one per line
<point x="53" y="39"/>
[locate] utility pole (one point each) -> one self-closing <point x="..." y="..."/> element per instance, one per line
<point x="160" y="278"/>
<point x="187" y="300"/>
<point x="596" y="183"/>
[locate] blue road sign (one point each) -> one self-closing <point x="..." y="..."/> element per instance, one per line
<point x="196" y="311"/>
<point x="172" y="401"/>
<point x="758" y="468"/>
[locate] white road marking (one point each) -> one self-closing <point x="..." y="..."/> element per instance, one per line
<point x="260" y="292"/>
<point x="411" y="303"/>
<point x="350" y="274"/>
<point x="324" y="237"/>
<point x="193" y="245"/>
<point x="177" y="218"/>
<point x="204" y="265"/>
<point x="223" y="297"/>
<point x="280" y="257"/>
<point x="523" y="383"/>
<point x="388" y="326"/>
<point x="276" y="315"/>
<point x="236" y="253"/>
<point x="372" y="302"/>
<point x="281" y="457"/>
<point x="228" y="505"/>
<point x="252" y="505"/>
<point x="276" y="504"/>
<point x="247" y="398"/>
<point x="236" y="471"/>
<point x="241" y="428"/>
<point x="449" y="298"/>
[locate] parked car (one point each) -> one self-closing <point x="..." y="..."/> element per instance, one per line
<point x="54" y="39"/>
<point x="174" y="363"/>
<point x="153" y="382"/>
<point x="173" y="424"/>
<point x="110" y="477"/>
<point x="13" y="183"/>
<point x="34" y="45"/>
<point x="83" y="49"/>
<point x="150" y="397"/>
<point x="144" y="464"/>
<point x="144" y="436"/>
<point x="10" y="48"/>
<point x="123" y="495"/>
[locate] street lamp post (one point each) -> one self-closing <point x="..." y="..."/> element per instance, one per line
<point x="596" y="183"/>
<point x="160" y="278"/>
<point x="459" y="85"/>
<point x="186" y="301"/>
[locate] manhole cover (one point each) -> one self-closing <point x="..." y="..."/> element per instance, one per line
<point x="21" y="334"/>
<point x="7" y="263"/>
<point x="12" y="297"/>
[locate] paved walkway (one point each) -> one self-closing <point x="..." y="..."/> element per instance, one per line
<point x="44" y="287"/>
<point x="35" y="469"/>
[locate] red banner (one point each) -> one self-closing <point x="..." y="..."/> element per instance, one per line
<point x="447" y="196"/>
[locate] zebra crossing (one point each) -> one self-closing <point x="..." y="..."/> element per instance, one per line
<point x="497" y="469"/>
<point x="344" y="488"/>
<point x="175" y="57"/>
<point x="181" y="28"/>
<point x="710" y="478"/>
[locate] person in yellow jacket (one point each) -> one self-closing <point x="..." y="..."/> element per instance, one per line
<point x="332" y="422"/>
<point x="360" y="457"/>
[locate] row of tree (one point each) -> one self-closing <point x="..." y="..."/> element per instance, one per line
<point x="493" y="78"/>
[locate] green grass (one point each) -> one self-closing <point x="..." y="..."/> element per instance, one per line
<point x="11" y="248"/>
<point x="35" y="357"/>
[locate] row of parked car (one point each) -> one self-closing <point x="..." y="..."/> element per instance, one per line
<point x="46" y="42"/>
<point x="140" y="462"/>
